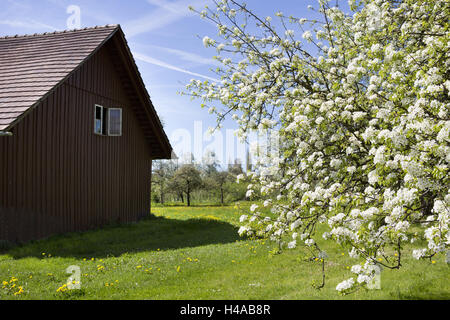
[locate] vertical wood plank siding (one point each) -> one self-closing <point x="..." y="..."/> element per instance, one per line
<point x="57" y="176"/>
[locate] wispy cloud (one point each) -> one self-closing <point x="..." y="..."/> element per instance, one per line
<point x="19" y="5"/>
<point x="27" y="24"/>
<point x="151" y="60"/>
<point x="165" y="5"/>
<point x="165" y="14"/>
<point x="20" y="15"/>
<point x="193" y="58"/>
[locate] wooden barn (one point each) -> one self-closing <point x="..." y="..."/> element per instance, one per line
<point x="78" y="133"/>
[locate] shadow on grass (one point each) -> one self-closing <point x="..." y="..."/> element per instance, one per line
<point x="180" y="205"/>
<point x="424" y="296"/>
<point x="150" y="234"/>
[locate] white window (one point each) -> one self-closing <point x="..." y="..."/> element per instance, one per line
<point x="114" y="122"/>
<point x="98" y="119"/>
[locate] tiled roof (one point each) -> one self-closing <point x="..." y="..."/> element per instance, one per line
<point x="32" y="65"/>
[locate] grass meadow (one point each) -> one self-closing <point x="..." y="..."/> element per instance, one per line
<point x="195" y="253"/>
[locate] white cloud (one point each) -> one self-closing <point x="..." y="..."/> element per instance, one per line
<point x="166" y="14"/>
<point x="28" y="24"/>
<point x="186" y="56"/>
<point x="151" y="60"/>
<point x="165" y="5"/>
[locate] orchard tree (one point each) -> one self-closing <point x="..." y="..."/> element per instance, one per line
<point x="162" y="172"/>
<point x="218" y="181"/>
<point x="235" y="168"/>
<point x="360" y="99"/>
<point x="210" y="163"/>
<point x="187" y="179"/>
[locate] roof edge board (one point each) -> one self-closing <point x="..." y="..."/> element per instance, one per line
<point x="143" y="94"/>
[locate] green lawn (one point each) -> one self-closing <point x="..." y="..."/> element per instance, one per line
<point x="195" y="253"/>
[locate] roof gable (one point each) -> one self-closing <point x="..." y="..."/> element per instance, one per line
<point x="31" y="67"/>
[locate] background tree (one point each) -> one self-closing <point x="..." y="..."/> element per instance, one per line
<point x="187" y="179"/>
<point x="210" y="163"/>
<point x="162" y="172"/>
<point x="235" y="168"/>
<point x="217" y="181"/>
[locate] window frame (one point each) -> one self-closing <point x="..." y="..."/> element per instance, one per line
<point x="109" y="122"/>
<point x="102" y="120"/>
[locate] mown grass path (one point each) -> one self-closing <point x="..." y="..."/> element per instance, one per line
<point x="195" y="253"/>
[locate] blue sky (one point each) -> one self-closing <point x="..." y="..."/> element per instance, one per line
<point x="165" y="38"/>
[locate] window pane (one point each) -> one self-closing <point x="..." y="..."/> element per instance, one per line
<point x="115" y="122"/>
<point x="98" y="126"/>
<point x="98" y="123"/>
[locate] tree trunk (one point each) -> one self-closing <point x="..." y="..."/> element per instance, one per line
<point x="188" y="195"/>
<point x="221" y="195"/>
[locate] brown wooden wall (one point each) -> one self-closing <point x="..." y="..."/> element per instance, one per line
<point x="57" y="176"/>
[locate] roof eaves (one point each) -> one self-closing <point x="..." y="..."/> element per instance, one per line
<point x="166" y="143"/>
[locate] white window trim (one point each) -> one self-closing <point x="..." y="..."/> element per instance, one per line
<point x="95" y="119"/>
<point x="109" y="121"/>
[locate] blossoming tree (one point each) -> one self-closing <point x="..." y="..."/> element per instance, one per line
<point x="361" y="105"/>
